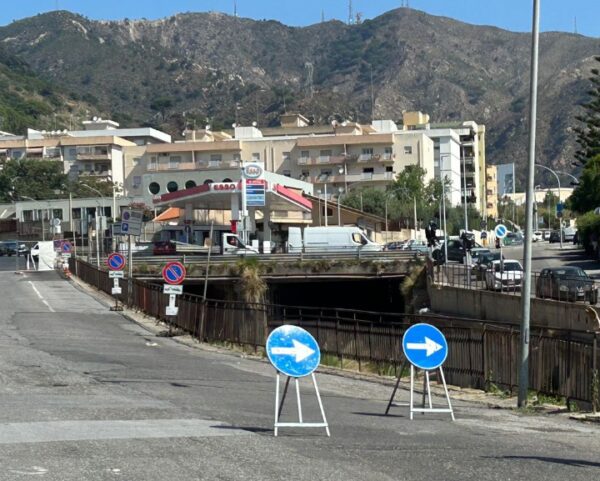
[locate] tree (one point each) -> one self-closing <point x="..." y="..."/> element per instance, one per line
<point x="38" y="179"/>
<point x="588" y="135"/>
<point x="586" y="195"/>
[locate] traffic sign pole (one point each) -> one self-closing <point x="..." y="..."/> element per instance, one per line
<point x="116" y="264"/>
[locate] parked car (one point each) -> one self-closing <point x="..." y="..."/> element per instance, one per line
<point x="504" y="275"/>
<point x="566" y="284"/>
<point x="8" y="248"/>
<point x="393" y="246"/>
<point x="513" y="239"/>
<point x="546" y="235"/>
<point x="537" y="236"/>
<point x="478" y="252"/>
<point x="569" y="234"/>
<point x="408" y="245"/>
<point x="483" y="263"/>
<point x="163" y="248"/>
<point x="554" y="237"/>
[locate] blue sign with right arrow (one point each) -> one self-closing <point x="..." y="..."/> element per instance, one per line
<point x="293" y="351"/>
<point x="425" y="346"/>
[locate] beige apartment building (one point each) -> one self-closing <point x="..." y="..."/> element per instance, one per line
<point x="334" y="159"/>
<point x="491" y="191"/>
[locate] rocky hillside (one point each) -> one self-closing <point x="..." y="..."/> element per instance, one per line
<point x="199" y="66"/>
<point x="26" y="100"/>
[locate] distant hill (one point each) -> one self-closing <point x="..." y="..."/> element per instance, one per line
<point x="26" y="100"/>
<point x="214" y="68"/>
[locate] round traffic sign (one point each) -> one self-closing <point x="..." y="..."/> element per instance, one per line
<point x="66" y="247"/>
<point x="425" y="346"/>
<point x="116" y="262"/>
<point x="293" y="351"/>
<point x="174" y="273"/>
<point x="500" y="231"/>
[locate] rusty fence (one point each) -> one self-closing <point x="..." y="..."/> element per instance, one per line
<point x="482" y="354"/>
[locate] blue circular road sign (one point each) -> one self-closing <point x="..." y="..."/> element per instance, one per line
<point x="293" y="351"/>
<point x="425" y="346"/>
<point x="500" y="231"/>
<point x="116" y="262"/>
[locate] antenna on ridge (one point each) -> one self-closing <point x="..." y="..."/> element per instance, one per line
<point x="322" y="16"/>
<point x="235" y="8"/>
<point x="350" y="15"/>
<point x="575" y="26"/>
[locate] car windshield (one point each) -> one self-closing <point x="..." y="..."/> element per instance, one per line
<point x="508" y="266"/>
<point x="569" y="273"/>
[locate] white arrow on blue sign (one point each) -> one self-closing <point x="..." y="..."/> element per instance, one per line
<point x="293" y="351"/>
<point x="425" y="346"/>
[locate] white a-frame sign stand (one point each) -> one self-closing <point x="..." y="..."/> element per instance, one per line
<point x="425" y="348"/>
<point x="295" y="354"/>
<point x="301" y="423"/>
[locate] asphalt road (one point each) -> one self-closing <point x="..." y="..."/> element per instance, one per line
<point x="85" y="394"/>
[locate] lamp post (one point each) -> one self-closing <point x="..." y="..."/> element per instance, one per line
<point x="560" y="236"/>
<point x="97" y="223"/>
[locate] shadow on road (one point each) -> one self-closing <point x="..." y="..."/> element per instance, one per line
<point x="568" y="462"/>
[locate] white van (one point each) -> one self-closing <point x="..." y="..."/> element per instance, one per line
<point x="44" y="254"/>
<point x="330" y="239"/>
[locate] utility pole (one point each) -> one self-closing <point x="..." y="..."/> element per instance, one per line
<point x="526" y="287"/>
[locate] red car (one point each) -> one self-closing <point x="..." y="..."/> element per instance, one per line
<point x="164" y="248"/>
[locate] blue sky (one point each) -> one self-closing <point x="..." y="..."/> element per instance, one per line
<point x="509" y="14"/>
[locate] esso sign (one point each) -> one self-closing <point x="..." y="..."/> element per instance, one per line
<point x="223" y="186"/>
<point x="253" y="171"/>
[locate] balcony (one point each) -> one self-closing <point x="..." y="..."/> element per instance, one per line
<point x="92" y="155"/>
<point x="96" y="173"/>
<point x="369" y="157"/>
<point x="322" y="159"/>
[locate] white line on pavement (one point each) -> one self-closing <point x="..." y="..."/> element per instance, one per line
<point x="41" y="297"/>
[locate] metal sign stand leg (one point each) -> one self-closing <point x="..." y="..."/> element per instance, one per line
<point x="300" y="423"/>
<point x="427" y="386"/>
<point x="391" y="401"/>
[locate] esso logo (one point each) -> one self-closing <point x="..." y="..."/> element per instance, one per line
<point x="223" y="186"/>
<point x="253" y="171"/>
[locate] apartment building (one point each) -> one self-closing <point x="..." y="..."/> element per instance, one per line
<point x="96" y="151"/>
<point x="334" y="159"/>
<point x="459" y="156"/>
<point x="491" y="191"/>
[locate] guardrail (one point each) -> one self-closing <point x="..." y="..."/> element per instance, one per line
<point x="467" y="277"/>
<point x="385" y="256"/>
<point x="482" y="354"/>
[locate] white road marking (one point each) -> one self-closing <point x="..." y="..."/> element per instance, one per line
<point x="41" y="297"/>
<point x="64" y="431"/>
<point x="35" y="471"/>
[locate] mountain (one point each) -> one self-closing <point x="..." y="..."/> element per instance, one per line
<point x="213" y="68"/>
<point x="26" y="100"/>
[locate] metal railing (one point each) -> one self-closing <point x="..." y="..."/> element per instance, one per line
<point x="566" y="289"/>
<point x="482" y="354"/>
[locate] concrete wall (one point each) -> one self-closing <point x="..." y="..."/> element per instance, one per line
<point x="506" y="308"/>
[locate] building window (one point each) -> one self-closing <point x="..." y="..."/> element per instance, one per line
<point x="172" y="186"/>
<point x="286" y="156"/>
<point x="256" y="156"/>
<point x="237" y="157"/>
<point x="73" y="153"/>
<point x="27" y="215"/>
<point x="154" y="188"/>
<point x="408" y="149"/>
<point x="152" y="164"/>
<point x="287" y="173"/>
<point x="389" y="168"/>
<point x="174" y="162"/>
<point x="137" y="181"/>
<point x="215" y="160"/>
<point x="189" y="184"/>
<point x="305" y="154"/>
<point x="367" y="151"/>
<point x="136" y="161"/>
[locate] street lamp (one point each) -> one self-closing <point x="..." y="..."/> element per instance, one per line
<point x="97" y="223"/>
<point x="559" y="197"/>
